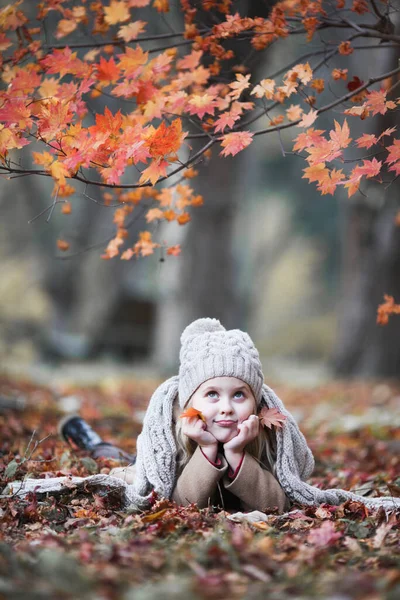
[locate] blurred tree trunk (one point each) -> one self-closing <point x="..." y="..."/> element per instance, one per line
<point x="370" y="269"/>
<point x="210" y="269"/>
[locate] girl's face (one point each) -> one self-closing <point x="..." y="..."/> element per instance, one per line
<point x="225" y="402"/>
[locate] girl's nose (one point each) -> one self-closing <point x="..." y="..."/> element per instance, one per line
<point x="226" y="407"/>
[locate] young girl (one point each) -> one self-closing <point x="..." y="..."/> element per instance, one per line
<point x="218" y="454"/>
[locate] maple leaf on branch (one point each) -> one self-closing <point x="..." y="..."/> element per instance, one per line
<point x="235" y="142"/>
<point x="386" y="309"/>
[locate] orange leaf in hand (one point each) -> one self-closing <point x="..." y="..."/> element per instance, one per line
<point x="192" y="412"/>
<point x="271" y="416"/>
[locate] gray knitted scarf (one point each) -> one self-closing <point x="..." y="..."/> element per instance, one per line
<point x="156" y="461"/>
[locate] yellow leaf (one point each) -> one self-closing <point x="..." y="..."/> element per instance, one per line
<point x="59" y="172"/>
<point x="117" y="12"/>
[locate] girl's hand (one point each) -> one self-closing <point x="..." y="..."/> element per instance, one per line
<point x="247" y="432"/>
<point x="195" y="429"/>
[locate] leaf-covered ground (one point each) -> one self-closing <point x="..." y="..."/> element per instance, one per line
<point x="85" y="546"/>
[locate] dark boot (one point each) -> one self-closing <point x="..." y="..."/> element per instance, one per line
<point x="75" y="429"/>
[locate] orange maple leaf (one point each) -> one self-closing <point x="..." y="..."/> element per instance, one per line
<point x="318" y="84"/>
<point x="339" y="74"/>
<point x="366" y="140"/>
<point x="341" y="135"/>
<point x="59" y="172"/>
<point x="345" y="48"/>
<point x="191" y="412"/>
<point x="201" y="104"/>
<point x="190" y="61"/>
<point x="294" y="112"/>
<point x="386" y="309"/>
<point x="117" y="12"/>
<point x="264" y="89"/>
<point x="174" y="250"/>
<point x="132" y="59"/>
<point x="156" y="169"/>
<point x="145" y="246"/>
<point x="166" y="139"/>
<point x="242" y="83"/>
<point x="154" y="214"/>
<point x="44" y="159"/>
<point x="183" y="218"/>
<point x="62" y="245"/>
<point x="235" y="142"/>
<point x="377" y="102"/>
<point x="161" y="5"/>
<point x="107" y="71"/>
<point x="130" y="32"/>
<point x="65" y="27"/>
<point x="271" y="416"/>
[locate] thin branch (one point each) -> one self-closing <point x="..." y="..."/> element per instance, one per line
<point x="148" y="38"/>
<point x="376" y="9"/>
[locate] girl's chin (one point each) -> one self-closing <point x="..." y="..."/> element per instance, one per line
<point x="224" y="437"/>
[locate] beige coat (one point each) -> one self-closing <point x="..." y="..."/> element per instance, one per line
<point x="253" y="488"/>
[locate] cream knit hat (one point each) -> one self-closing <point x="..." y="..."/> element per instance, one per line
<point x="209" y="350"/>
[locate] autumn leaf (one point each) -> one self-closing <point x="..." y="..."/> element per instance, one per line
<point x="145" y="245"/>
<point x="152" y="173"/>
<point x="345" y="48"/>
<point x="174" y="250"/>
<point x="166" y="139"/>
<point x="339" y="74"/>
<point x="201" y="104"/>
<point x="377" y="103"/>
<point x="318" y="85"/>
<point x="44" y="159"/>
<point x="154" y="214"/>
<point x="270" y="417"/>
<point x="107" y="71"/>
<point x="192" y="412"/>
<point x="62" y="245"/>
<point x="117" y="12"/>
<point x="161" y="5"/>
<point x="367" y="140"/>
<point x="386" y="309"/>
<point x="308" y="119"/>
<point x="190" y="61"/>
<point x="235" y="142"/>
<point x="242" y="83"/>
<point x="393" y="157"/>
<point x="294" y="112"/>
<point x="265" y="89"/>
<point x="66" y="208"/>
<point x="183" y="218"/>
<point x="59" y="172"/>
<point x="324" y="536"/>
<point x="130" y="32"/>
<point x="341" y="135"/>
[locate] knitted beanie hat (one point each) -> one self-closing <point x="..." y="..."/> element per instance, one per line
<point x="209" y="350"/>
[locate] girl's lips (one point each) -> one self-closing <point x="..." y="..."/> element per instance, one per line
<point x="226" y="423"/>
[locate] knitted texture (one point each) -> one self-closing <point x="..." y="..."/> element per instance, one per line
<point x="157" y="452"/>
<point x="208" y="350"/>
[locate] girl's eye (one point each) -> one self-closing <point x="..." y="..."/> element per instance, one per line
<point x="212" y="394"/>
<point x="238" y="395"/>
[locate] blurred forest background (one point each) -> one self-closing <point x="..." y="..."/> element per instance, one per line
<point x="302" y="273"/>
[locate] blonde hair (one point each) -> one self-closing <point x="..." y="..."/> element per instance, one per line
<point x="262" y="448"/>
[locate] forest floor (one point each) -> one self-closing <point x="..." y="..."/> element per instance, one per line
<point x="86" y="546"/>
